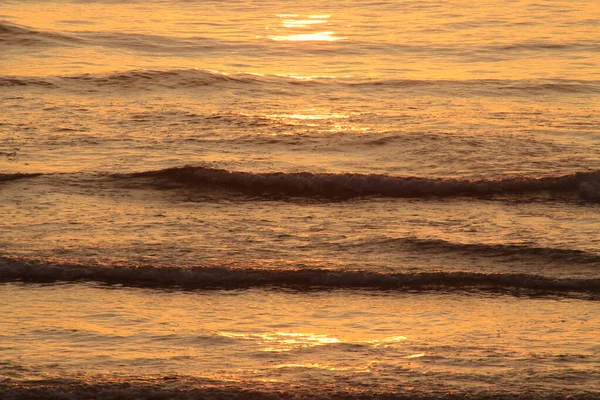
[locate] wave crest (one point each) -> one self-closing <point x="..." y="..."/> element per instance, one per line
<point x="346" y="185"/>
<point x="135" y="79"/>
<point x="218" y="277"/>
<point x="17" y="35"/>
<point x="148" y="79"/>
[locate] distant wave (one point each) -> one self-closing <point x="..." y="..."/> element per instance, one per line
<point x="584" y="45"/>
<point x="148" y="43"/>
<point x="215" y="277"/>
<point x="14" y="34"/>
<point x="17" y="35"/>
<point x="490" y="86"/>
<point x="136" y="79"/>
<point x="346" y="185"/>
<point x="190" y="78"/>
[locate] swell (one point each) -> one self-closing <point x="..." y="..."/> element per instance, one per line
<point x="189" y="78"/>
<point x="221" y="277"/>
<point x="14" y="34"/>
<point x="135" y="79"/>
<point x="17" y="35"/>
<point x="581" y="45"/>
<point x="27" y="37"/>
<point x="348" y="185"/>
<point x="149" y="43"/>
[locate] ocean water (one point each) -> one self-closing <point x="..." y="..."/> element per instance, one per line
<point x="280" y="200"/>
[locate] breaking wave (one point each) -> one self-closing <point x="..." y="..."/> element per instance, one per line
<point x="347" y="185"/>
<point x="222" y="277"/>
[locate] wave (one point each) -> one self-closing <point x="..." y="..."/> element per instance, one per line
<point x="582" y="45"/>
<point x="224" y="277"/>
<point x="164" y="44"/>
<point x="14" y="34"/>
<point x="16" y="176"/>
<point x="136" y="79"/>
<point x="348" y="185"/>
<point x="189" y="78"/>
<point x="490" y="86"/>
<point x="17" y="35"/>
<point x="513" y="251"/>
<point x="184" y="388"/>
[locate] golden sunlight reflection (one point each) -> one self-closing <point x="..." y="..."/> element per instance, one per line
<point x="317" y="366"/>
<point x="284" y="341"/>
<point x="330" y="122"/>
<point x="307" y="116"/>
<point x="305" y="37"/>
<point x="310" y="77"/>
<point x="387" y="341"/>
<point x="288" y="341"/>
<point x="295" y="21"/>
<point x="301" y="23"/>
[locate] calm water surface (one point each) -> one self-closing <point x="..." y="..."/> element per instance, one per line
<point x="238" y="199"/>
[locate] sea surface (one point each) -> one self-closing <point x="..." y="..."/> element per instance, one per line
<point x="299" y="199"/>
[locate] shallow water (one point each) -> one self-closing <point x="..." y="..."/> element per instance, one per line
<point x="271" y="339"/>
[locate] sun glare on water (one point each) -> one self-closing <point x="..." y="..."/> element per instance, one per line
<point x="287" y="341"/>
<point x="305" y="37"/>
<point x="292" y="22"/>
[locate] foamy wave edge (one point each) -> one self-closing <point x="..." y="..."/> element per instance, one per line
<point x="223" y="277"/>
<point x="344" y="185"/>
